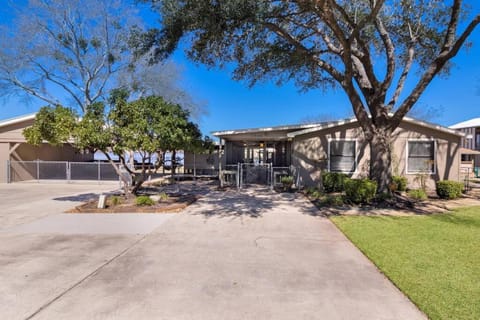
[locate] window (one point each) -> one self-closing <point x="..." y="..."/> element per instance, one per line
<point x="421" y="157"/>
<point x="342" y="155"/>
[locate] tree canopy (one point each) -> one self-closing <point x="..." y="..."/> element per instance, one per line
<point x="73" y="53"/>
<point x="148" y="125"/>
<point x="368" y="48"/>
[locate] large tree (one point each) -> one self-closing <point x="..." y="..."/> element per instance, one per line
<point x="372" y="49"/>
<point x="74" y="52"/>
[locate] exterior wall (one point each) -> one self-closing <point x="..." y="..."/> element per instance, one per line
<point x="310" y="153"/>
<point x="203" y="162"/>
<point x="4" y="156"/>
<point x="46" y="152"/>
<point x="14" y="132"/>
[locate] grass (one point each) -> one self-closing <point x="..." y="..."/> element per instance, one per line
<point x="434" y="260"/>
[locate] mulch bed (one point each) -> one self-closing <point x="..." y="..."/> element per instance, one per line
<point x="127" y="205"/>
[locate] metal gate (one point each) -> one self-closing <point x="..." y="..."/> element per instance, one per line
<point x="259" y="174"/>
<point x="242" y="175"/>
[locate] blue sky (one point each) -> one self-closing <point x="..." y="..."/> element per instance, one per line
<point x="232" y="104"/>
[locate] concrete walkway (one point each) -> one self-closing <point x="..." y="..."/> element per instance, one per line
<point x="229" y="256"/>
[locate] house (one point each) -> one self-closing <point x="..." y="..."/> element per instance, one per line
<point x="307" y="150"/>
<point x="15" y="149"/>
<point x="470" y="151"/>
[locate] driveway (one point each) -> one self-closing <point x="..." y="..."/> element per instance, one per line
<point x="229" y="256"/>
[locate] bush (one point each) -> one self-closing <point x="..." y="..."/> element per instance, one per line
<point x="400" y="183"/>
<point x="449" y="189"/>
<point x="313" y="192"/>
<point x="334" y="181"/>
<point x="287" y="181"/>
<point x="115" y="200"/>
<point x="334" y="200"/>
<point x="417" y="194"/>
<point x="144" y="201"/>
<point x="360" y="190"/>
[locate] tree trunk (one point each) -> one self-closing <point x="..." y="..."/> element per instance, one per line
<point x="381" y="160"/>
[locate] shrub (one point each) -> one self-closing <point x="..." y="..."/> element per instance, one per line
<point x="334" y="200"/>
<point x="400" y="183"/>
<point x="313" y="192"/>
<point x="115" y="200"/>
<point x="144" y="201"/>
<point x="417" y="194"/>
<point x="287" y="181"/>
<point x="333" y="181"/>
<point x="360" y="190"/>
<point x="449" y="189"/>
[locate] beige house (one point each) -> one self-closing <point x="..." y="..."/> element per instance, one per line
<point x="13" y="148"/>
<point x="419" y="148"/>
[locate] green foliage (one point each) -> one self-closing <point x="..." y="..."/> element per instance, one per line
<point x="400" y="183"/>
<point x="360" y="190"/>
<point x="287" y="181"/>
<point x="144" y="201"/>
<point x="333" y="181"/>
<point x="449" y="189"/>
<point x="433" y="259"/>
<point x="115" y="200"/>
<point x="417" y="194"/>
<point x="336" y="200"/>
<point x="313" y="192"/>
<point x="52" y="124"/>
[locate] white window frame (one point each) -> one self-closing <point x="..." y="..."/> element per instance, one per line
<point x="356" y="153"/>
<point x="434" y="156"/>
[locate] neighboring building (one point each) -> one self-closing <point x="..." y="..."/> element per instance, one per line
<point x="14" y="148"/>
<point x="470" y="143"/>
<point x="339" y="146"/>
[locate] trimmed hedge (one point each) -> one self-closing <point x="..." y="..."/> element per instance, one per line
<point x="400" y="183"/>
<point x="360" y="190"/>
<point x="449" y="189"/>
<point x="333" y="181"/>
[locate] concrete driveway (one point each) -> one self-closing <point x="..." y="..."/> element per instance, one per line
<point x="229" y="256"/>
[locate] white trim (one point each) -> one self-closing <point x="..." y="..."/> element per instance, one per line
<point x="356" y="153"/>
<point x="354" y="120"/>
<point x="434" y="155"/>
<point x="16" y="120"/>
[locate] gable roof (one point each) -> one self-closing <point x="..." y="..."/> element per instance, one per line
<point x="475" y="122"/>
<point x="8" y="122"/>
<point x="354" y="120"/>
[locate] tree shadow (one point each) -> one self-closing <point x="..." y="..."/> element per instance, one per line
<point x="84" y="197"/>
<point x="233" y="204"/>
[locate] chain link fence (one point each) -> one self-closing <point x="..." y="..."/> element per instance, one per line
<point x="18" y="171"/>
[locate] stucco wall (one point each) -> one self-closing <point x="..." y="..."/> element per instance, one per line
<point x="310" y="153"/>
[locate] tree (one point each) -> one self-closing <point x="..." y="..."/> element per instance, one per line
<point x="74" y="52"/>
<point x="371" y="49"/>
<point x="148" y="125"/>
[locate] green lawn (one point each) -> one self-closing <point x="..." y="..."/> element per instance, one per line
<point x="434" y="260"/>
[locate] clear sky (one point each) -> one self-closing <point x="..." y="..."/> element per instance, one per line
<point x="233" y="105"/>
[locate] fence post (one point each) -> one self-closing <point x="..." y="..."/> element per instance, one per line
<point x="67" y="171"/>
<point x="9" y="168"/>
<point x="38" y="170"/>
<point x="99" y="172"/>
<point x="272" y="183"/>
